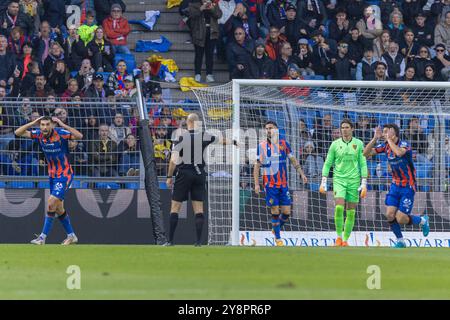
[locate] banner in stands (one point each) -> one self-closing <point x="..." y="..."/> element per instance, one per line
<point x="98" y="216"/>
<point x="358" y="238"/>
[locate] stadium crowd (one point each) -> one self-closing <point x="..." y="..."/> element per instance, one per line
<point x="47" y="68"/>
<point x="41" y="59"/>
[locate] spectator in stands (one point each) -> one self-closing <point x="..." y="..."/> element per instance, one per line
<point x="116" y="28"/>
<point x="130" y="91"/>
<point x="276" y="14"/>
<point x="366" y="68"/>
<point x="56" y="53"/>
<point x="61" y="114"/>
<point x="263" y="66"/>
<point x="24" y="111"/>
<point x="239" y="55"/>
<point x="101" y="52"/>
<point x="304" y="135"/>
<point x="381" y="44"/>
<point x="118" y="130"/>
<point x="75" y="49"/>
<point x="13" y="17"/>
<point x="90" y="131"/>
<point x="424" y="33"/>
<point x="39" y="89"/>
<point x="396" y="26"/>
<point x="78" y="158"/>
<point x="116" y="83"/>
<point x="228" y="13"/>
<point x="16" y="41"/>
<point x="386" y="8"/>
<point x="97" y="90"/>
<point x="363" y="130"/>
<point x="410" y="74"/>
<point x="205" y="32"/>
<point x="103" y="8"/>
<point x="103" y="154"/>
<point x="417" y="139"/>
<point x="322" y="135"/>
<point x="342" y="63"/>
<point x="241" y="19"/>
<point x="284" y="60"/>
<point x="323" y="51"/>
<point x="26" y="59"/>
<point x="312" y="9"/>
<point x="8" y="64"/>
<point x="293" y="73"/>
<point x="162" y="146"/>
<point x="410" y="9"/>
<point x="292" y="26"/>
<point x="442" y="61"/>
<point x="86" y="31"/>
<point x="130" y="160"/>
<point x="312" y="163"/>
<point x="409" y="48"/>
<point x="147" y="79"/>
<point x="420" y="61"/>
<point x="33" y="9"/>
<point x="369" y="26"/>
<point x="274" y="42"/>
<point x="304" y="56"/>
<point x="355" y="10"/>
<point x="442" y="31"/>
<point x="7" y="121"/>
<point x="430" y="73"/>
<point x="41" y="44"/>
<point x="380" y="72"/>
<point x="71" y="91"/>
<point x="85" y="75"/>
<point x="356" y="45"/>
<point x="339" y="27"/>
<point x="58" y="77"/>
<point x="55" y="13"/>
<point x="395" y="61"/>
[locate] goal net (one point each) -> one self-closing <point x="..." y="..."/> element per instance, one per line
<point x="308" y="115"/>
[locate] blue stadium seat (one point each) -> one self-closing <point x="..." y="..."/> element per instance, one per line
<point x="163" y="186"/>
<point x="43" y="185"/>
<point x="278" y="117"/>
<point x="129" y="60"/>
<point x="73" y="74"/>
<point x="107" y="185"/>
<point x="132" y="185"/>
<point x="21" y="185"/>
<point x="2" y="184"/>
<point x="76" y="184"/>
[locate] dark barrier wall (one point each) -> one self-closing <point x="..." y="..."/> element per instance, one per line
<point x="98" y="216"/>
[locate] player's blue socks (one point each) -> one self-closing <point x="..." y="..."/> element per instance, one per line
<point x="396" y="229"/>
<point x="65" y="221"/>
<point x="416" y="220"/>
<point x="48" y="223"/>
<point x="283" y="219"/>
<point x="276" y="225"/>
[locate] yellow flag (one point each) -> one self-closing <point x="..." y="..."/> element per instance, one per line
<point x="173" y="3"/>
<point x="188" y="82"/>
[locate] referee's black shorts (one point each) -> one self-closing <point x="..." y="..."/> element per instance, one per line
<point x="188" y="181"/>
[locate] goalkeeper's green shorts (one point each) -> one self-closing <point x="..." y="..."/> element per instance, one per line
<point x="347" y="190"/>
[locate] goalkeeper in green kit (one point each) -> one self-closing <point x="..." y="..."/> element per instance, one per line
<point x="349" y="178"/>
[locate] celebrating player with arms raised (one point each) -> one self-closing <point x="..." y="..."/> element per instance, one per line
<point x="271" y="157"/>
<point x="346" y="155"/>
<point x="400" y="198"/>
<point x="54" y="144"/>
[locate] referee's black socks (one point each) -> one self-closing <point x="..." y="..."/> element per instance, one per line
<point x="199" y="219"/>
<point x="173" y="225"/>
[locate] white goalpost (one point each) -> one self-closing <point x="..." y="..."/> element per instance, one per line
<point x="308" y="114"/>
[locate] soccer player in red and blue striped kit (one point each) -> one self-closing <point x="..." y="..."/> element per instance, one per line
<point x="53" y="142"/>
<point x="272" y="157"/>
<point x="400" y="198"/>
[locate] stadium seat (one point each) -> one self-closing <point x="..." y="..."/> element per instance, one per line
<point x="73" y="74"/>
<point x="2" y="184"/>
<point x="132" y="185"/>
<point x="107" y="185"/>
<point x="21" y="185"/>
<point x="43" y="185"/>
<point x="76" y="184"/>
<point x="128" y="58"/>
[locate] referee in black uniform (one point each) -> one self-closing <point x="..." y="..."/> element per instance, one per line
<point x="188" y="167"/>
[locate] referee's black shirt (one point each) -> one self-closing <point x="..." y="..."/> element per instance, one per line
<point x="190" y="146"/>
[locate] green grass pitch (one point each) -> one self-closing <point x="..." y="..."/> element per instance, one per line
<point x="185" y="272"/>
